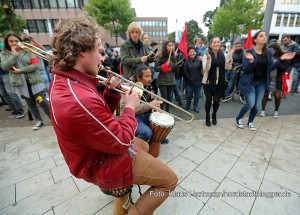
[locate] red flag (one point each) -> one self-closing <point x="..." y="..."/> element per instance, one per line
<point x="182" y="44"/>
<point x="248" y="42"/>
<point x="285" y="85"/>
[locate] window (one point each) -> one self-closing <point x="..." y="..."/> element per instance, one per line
<point x="285" y="19"/>
<point x="53" y="4"/>
<point x="295" y="1"/>
<point x="54" y="22"/>
<point x="17" y="4"/>
<point x="70" y="3"/>
<point x="76" y="4"/>
<point x="62" y="4"/>
<point x="292" y="19"/>
<point x="31" y="25"/>
<point x="35" y="4"/>
<point x="41" y="24"/>
<point x="27" y="4"/>
<point x="278" y="20"/>
<point x="45" y="3"/>
<point x="298" y="21"/>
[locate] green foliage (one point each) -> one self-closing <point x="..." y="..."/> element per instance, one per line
<point x="10" y="22"/>
<point x="236" y="17"/>
<point x="208" y="17"/>
<point x="171" y="36"/>
<point x="113" y="15"/>
<point x="192" y="31"/>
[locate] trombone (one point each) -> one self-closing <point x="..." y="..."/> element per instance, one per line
<point x="102" y="80"/>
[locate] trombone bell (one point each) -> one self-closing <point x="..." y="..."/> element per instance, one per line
<point x="35" y="50"/>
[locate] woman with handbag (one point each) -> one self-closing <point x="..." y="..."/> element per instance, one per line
<point x="24" y="77"/>
<point x="255" y="77"/>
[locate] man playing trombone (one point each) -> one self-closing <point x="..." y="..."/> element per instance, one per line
<point x="97" y="147"/>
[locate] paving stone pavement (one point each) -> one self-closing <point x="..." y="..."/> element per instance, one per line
<point x="209" y="161"/>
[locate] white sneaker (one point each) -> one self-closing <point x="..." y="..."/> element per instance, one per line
<point x="38" y="125"/>
<point x="12" y="116"/>
<point x="251" y="126"/>
<point x="276" y="115"/>
<point x="239" y="123"/>
<point x="21" y="115"/>
<point x="263" y="113"/>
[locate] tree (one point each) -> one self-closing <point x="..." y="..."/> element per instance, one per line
<point x="9" y="21"/>
<point x="193" y="31"/>
<point x="208" y="17"/>
<point x="235" y="17"/>
<point x="113" y="15"/>
<point x="171" y="36"/>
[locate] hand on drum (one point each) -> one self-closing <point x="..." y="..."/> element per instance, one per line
<point x="131" y="100"/>
<point x="156" y="103"/>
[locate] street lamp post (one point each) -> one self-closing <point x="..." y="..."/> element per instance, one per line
<point x="268" y="16"/>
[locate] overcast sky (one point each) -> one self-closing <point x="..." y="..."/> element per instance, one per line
<point x="184" y="11"/>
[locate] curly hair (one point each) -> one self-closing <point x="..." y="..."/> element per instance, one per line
<point x="72" y="36"/>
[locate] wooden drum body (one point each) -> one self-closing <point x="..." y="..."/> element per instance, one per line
<point x="161" y="125"/>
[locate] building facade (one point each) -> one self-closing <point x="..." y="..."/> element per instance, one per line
<point x="42" y="15"/>
<point x="155" y="27"/>
<point x="286" y="19"/>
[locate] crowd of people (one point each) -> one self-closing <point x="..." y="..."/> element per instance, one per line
<point x="113" y="153"/>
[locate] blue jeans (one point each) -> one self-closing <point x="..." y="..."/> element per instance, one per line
<point x="143" y="130"/>
<point x="232" y="80"/>
<point x="253" y="100"/>
<point x="177" y="90"/>
<point x="13" y="99"/>
<point x="193" y="90"/>
<point x="295" y="79"/>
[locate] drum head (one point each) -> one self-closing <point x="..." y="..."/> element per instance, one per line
<point x="162" y="119"/>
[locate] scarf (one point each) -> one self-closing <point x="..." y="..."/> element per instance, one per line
<point x="216" y="61"/>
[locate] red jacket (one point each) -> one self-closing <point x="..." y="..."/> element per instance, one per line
<point x="93" y="143"/>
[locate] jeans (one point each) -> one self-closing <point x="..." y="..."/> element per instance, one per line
<point x="177" y="90"/>
<point x="148" y="170"/>
<point x="193" y="91"/>
<point x="4" y="93"/>
<point x="253" y="100"/>
<point x="143" y="130"/>
<point x="295" y="79"/>
<point x="13" y="99"/>
<point x="232" y="80"/>
<point x="41" y="99"/>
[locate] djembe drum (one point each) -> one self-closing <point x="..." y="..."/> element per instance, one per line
<point x="161" y="125"/>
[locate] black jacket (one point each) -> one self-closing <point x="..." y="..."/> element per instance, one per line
<point x="192" y="71"/>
